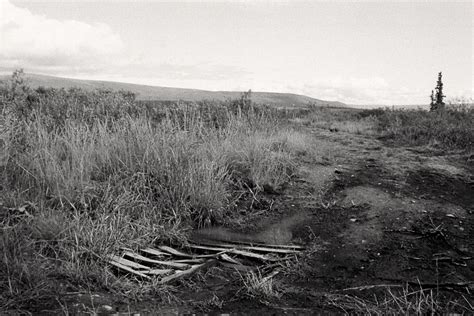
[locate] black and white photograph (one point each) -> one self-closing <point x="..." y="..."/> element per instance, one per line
<point x="236" y="157"/>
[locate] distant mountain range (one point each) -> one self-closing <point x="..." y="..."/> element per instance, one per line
<point x="144" y="92"/>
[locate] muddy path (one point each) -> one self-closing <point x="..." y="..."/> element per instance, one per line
<point x="370" y="215"/>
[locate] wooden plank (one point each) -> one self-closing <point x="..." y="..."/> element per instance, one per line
<point x="228" y="258"/>
<point x="216" y="249"/>
<point x="158" y="252"/>
<point x="259" y="244"/>
<point x="155" y="252"/>
<point x="128" y="263"/>
<point x="175" y="252"/>
<point x="252" y="255"/>
<point x="189" y="272"/>
<point x="165" y="263"/>
<point x="234" y="251"/>
<point x="261" y="249"/>
<point x="158" y="271"/>
<point x="128" y="269"/>
<point x="189" y="261"/>
<point x="214" y="255"/>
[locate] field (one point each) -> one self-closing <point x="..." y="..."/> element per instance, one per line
<point x="382" y="200"/>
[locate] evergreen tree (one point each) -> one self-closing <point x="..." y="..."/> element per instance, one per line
<point x="437" y="102"/>
<point x="432" y="103"/>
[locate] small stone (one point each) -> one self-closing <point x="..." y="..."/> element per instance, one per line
<point x="353" y="220"/>
<point x="451" y="215"/>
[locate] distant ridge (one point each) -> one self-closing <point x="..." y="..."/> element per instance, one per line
<point x="145" y="92"/>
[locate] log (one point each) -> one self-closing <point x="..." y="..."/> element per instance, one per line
<point x="165" y="263"/>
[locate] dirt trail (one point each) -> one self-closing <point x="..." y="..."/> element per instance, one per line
<point x="371" y="215"/>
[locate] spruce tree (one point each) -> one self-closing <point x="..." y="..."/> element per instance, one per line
<point x="437" y="102"/>
<point x="432" y="103"/>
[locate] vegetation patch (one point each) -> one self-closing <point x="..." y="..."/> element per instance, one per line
<point x="99" y="172"/>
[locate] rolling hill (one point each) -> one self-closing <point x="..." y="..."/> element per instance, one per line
<point x="145" y="92"/>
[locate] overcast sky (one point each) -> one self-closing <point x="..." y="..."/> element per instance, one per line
<point x="356" y="52"/>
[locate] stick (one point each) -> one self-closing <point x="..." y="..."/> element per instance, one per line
<point x="368" y="287"/>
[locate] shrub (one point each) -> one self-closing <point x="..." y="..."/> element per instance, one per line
<point x="451" y="128"/>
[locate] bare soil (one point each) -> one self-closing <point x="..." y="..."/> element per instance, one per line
<point x="387" y="216"/>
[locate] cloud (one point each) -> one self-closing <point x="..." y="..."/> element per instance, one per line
<point x="38" y="43"/>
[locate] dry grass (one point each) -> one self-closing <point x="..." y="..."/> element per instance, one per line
<point x="260" y="287"/>
<point x="101" y="173"/>
<point x="399" y="301"/>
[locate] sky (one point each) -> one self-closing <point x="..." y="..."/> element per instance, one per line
<point x="378" y="52"/>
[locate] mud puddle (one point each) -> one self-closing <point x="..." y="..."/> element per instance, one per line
<point x="277" y="233"/>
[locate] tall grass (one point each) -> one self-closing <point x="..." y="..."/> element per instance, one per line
<point x="100" y="172"/>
